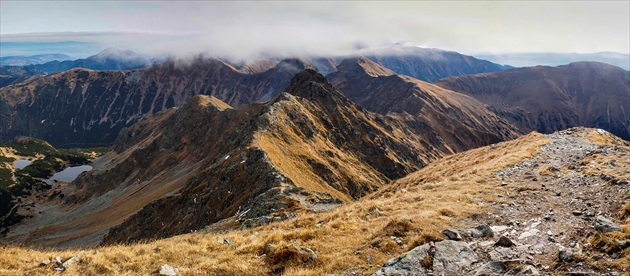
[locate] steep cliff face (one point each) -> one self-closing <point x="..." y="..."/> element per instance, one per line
<point x="547" y="99"/>
<point x="450" y="120"/>
<point x="189" y="167"/>
<point x="84" y="107"/>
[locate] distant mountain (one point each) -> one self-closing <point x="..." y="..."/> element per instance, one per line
<point x="10" y="75"/>
<point x="32" y="60"/>
<point x="547" y="99"/>
<point x="108" y="59"/>
<point x="425" y="64"/>
<point x="555" y="59"/>
<point x="188" y="167"/>
<point x="457" y="121"/>
<point x="85" y="107"/>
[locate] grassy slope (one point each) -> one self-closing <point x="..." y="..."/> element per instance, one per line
<point x="416" y="209"/>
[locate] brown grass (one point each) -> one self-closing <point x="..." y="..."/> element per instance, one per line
<point x="353" y="238"/>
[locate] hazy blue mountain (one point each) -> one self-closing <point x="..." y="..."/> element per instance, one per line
<point x="30" y="60"/>
<point x="74" y="49"/>
<point x="555" y="59"/>
<point x="426" y="64"/>
<point x="108" y="59"/>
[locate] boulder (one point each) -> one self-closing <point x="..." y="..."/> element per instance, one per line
<point x="604" y="225"/>
<point x="450" y="258"/>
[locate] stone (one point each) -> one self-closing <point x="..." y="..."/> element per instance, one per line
<point x="498" y="267"/>
<point x="452" y="234"/>
<point x="45" y="262"/>
<point x="604" y="225"/>
<point x="527" y="234"/>
<point x="498" y="229"/>
<point x="58" y="260"/>
<point x="76" y="258"/>
<point x="482" y="231"/>
<point x="168" y="270"/>
<point x="577" y="213"/>
<point x="525" y="270"/>
<point x="565" y="255"/>
<point x="311" y="254"/>
<point x="450" y="258"/>
<point x="227" y="241"/>
<point x="504" y="242"/>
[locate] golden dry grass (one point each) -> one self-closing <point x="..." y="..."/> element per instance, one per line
<point x="353" y="238"/>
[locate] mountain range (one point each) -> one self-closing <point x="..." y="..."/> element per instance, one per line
<point x="547" y="99"/>
<point x="278" y="161"/>
<point x="31" y="60"/>
<point x="556" y="59"/>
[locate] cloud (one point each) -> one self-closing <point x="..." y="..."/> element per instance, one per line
<point x="253" y="28"/>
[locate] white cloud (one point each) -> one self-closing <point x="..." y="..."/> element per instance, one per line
<point x="244" y="29"/>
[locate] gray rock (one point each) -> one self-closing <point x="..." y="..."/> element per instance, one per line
<point x="452" y="234"/>
<point x="565" y="255"/>
<point x="168" y="270"/>
<point x="605" y="225"/>
<point x="76" y="258"/>
<point x="482" y="231"/>
<point x="498" y="267"/>
<point x="504" y="242"/>
<point x="450" y="258"/>
<point x="312" y="256"/>
<point x="525" y="270"/>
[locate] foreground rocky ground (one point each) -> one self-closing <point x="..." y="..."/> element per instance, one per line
<point x="541" y="204"/>
<point x="556" y="214"/>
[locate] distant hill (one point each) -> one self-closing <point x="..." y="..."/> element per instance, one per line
<point x="555" y="59"/>
<point x="32" y="60"/>
<point x="547" y="99"/>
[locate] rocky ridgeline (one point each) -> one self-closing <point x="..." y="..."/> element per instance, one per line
<point x="541" y="224"/>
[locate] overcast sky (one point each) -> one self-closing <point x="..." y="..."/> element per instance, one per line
<point x="248" y="28"/>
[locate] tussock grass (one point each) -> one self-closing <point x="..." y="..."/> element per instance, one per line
<point x="356" y="237"/>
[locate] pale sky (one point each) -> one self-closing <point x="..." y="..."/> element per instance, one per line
<point x="293" y="28"/>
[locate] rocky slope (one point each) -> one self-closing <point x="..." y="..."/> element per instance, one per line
<point x="554" y="213"/>
<point x="455" y="121"/>
<point x="547" y="99"/>
<point x="505" y="189"/>
<point x="84" y="107"/>
<point x="190" y="167"/>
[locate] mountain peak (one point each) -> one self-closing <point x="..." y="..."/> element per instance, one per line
<point x="309" y="84"/>
<point x="203" y="102"/>
<point x="363" y="65"/>
<point x="293" y="64"/>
